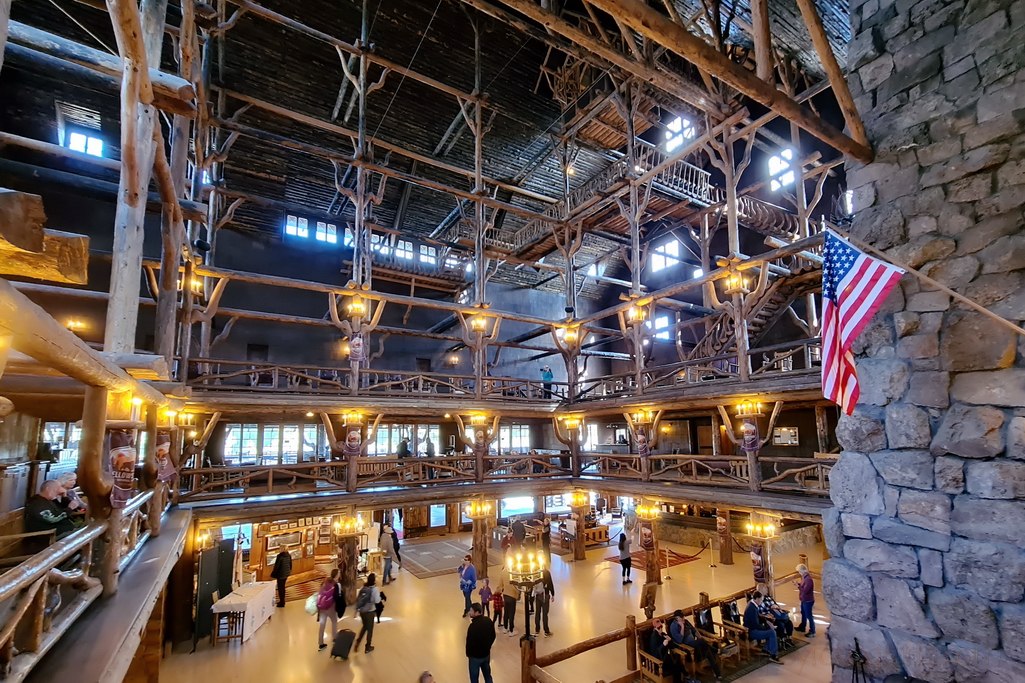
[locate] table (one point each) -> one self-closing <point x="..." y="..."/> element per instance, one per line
<point x="255" y="599"/>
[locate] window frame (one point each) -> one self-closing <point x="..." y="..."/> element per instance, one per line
<point x="782" y="171"/>
<point x="678" y="131"/>
<point x="665" y="256"/>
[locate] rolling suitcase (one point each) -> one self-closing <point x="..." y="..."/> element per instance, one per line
<point x="343" y="643"/>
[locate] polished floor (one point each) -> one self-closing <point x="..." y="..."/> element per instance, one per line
<point x="422" y="629"/>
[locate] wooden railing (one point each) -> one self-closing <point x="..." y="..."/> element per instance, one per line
<point x="801" y="357"/>
<point x="242" y="376"/>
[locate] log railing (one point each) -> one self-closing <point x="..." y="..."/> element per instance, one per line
<point x="242" y="376"/>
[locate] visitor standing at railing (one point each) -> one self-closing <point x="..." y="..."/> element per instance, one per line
<point x="546" y="379"/>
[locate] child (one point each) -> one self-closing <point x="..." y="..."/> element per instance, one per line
<point x="485" y="597"/>
<point x="497" y="603"/>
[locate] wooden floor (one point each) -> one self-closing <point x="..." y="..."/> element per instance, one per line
<point x="422" y="629"/>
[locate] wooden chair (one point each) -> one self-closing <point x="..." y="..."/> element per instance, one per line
<point x="651" y="669"/>
<point x="227" y="625"/>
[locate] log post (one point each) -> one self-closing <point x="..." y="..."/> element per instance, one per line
<point x="155" y="507"/>
<point x="528" y="656"/>
<point x="631" y="643"/>
<point x="821" y="429"/>
<point x="479" y="547"/>
<point x="453" y="518"/>
<point x="139" y="33"/>
<point x="726" y="539"/>
<point x="653" y="559"/>
<point x="579" y="544"/>
<point x="348" y="558"/>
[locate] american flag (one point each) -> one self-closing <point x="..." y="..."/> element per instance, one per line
<point x="854" y="286"/>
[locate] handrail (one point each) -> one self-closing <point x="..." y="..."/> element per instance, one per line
<point x="40" y="564"/>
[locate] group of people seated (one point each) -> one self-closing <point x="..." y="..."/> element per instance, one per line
<point x="763" y="619"/>
<point x="57" y="507"/>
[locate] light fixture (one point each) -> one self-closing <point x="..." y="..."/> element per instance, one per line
<point x="76" y="325"/>
<point x="642" y="416"/>
<point x="353" y="418"/>
<point x="349" y="525"/>
<point x="453" y="359"/>
<point x="526" y="569"/>
<point x="636" y="314"/>
<point x="448" y="416"/>
<point x="477" y="509"/>
<point x="192" y="433"/>
<point x="648" y="512"/>
<point x="749" y="409"/>
<point x="344" y="348"/>
<point x="136" y="401"/>
<point x="570" y="335"/>
<point x="356" y="307"/>
<point x="570" y="170"/>
<point x="767" y="531"/>
<point x="479" y="323"/>
<point x="309" y="413"/>
<point x="571" y="422"/>
<point x="203" y="539"/>
<point x="478" y="419"/>
<point x="736" y="284"/>
<point x="579" y="498"/>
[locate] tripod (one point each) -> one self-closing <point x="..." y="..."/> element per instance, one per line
<point x="858" y="674"/>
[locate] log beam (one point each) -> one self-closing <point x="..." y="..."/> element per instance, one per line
<point x="661" y="29"/>
<point x="22" y="220"/>
<point x="64" y="258"/>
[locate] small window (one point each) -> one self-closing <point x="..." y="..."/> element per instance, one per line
<point x="379" y="243"/>
<point x="661" y="327"/>
<point x="679" y="130"/>
<point x="297" y="226"/>
<point x="451" y="262"/>
<point x="428" y="254"/>
<point x="781" y="172"/>
<point x="596" y="269"/>
<point x="80" y="141"/>
<point x="665" y="255"/>
<point x="698" y="273"/>
<point x="404" y="249"/>
<point x="326" y="232"/>
<point x="848" y="202"/>
<point x="347" y="239"/>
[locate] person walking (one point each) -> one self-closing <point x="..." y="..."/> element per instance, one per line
<point x="282" y="570"/>
<point x="485" y="594"/>
<point x="625" y="559"/>
<point x="510" y="595"/>
<point x="546" y="540"/>
<point x="806" y="593"/>
<point x="397" y="546"/>
<point x="544" y="595"/>
<point x="480" y="636"/>
<point x="327" y="609"/>
<point x="467" y="582"/>
<point x="366" y="606"/>
<point x="387" y="545"/>
<point x="497" y="603"/>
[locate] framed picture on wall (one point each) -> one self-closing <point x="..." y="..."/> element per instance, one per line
<point x="273" y="542"/>
<point x="293" y="525"/>
<point x="309" y="550"/>
<point x="785" y="436"/>
<point x="274" y="527"/>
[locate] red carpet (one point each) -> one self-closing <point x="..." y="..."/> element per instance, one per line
<point x="665" y="555"/>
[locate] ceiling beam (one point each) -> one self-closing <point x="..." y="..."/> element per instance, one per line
<point x="662" y="30"/>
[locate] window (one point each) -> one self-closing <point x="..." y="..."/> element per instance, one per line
<point x="661" y="325"/>
<point x="379" y="243"/>
<point x="63" y="437"/>
<point x="781" y="172"/>
<point x="698" y="273"/>
<point x="596" y="269"/>
<point x="451" y="262"/>
<point x="243" y="533"/>
<point x="348" y="240"/>
<point x="848" y="202"/>
<point x="326" y="232"/>
<point x="79" y="141"/>
<point x="296" y="226"/>
<point x="428" y="254"/>
<point x="240" y="444"/>
<point x="404" y="249"/>
<point x="556" y="503"/>
<point x="270" y="454"/>
<point x="665" y="255"/>
<point x="592" y="436"/>
<point x="680" y="129"/>
<point x="514" y="438"/>
<point x="518" y="505"/>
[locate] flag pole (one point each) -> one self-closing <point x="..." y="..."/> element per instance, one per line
<point x="928" y="280"/>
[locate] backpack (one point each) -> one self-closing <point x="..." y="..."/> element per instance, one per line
<point x="326" y="599"/>
<point x="363" y="599"/>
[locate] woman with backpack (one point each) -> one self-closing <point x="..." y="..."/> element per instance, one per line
<point x="366" y="606"/>
<point x="625" y="560"/>
<point x="327" y="608"/>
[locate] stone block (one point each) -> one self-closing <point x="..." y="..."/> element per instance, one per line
<point x="918" y="346"/>
<point x="905" y="323"/>
<point x="907" y="426"/>
<point x="1016" y="438"/>
<point x="940" y="151"/>
<point x="1006" y="125"/>
<point x="1001" y="201"/>
<point x="1012" y="631"/>
<point x="970" y="431"/>
<point x="881" y="660"/>
<point x="832" y="532"/>
<point x="923" y="249"/>
<point x="929" y="389"/>
<point x="990" y="520"/>
<point x="995" y="289"/>
<point x="956" y="272"/>
<point x="971" y="189"/>
<point x="876" y="71"/>
<point x="891" y="531"/>
<point x="876" y="556"/>
<point x="999" y="102"/>
<point x="876" y="339"/>
<point x="923" y="659"/>
<point x="863" y="48"/>
<point x="847" y="590"/>
<point x="971" y="341"/>
<point x="900" y="80"/>
<point x="926" y="509"/>
<point x="882" y="380"/>
<point x="891" y="495"/>
<point x="911" y="468"/>
<point x="996" y="479"/>
<point x="962" y="67"/>
<point x="929" y="301"/>
<point x="968" y="163"/>
<point x="856" y="526"/>
<point x="970" y="37"/>
<point x="897" y="608"/>
<point x="949" y="474"/>
<point x="997" y="387"/>
<point x="931" y="563"/>
<point x="986" y="232"/>
<point x="963" y="616"/>
<point x="854" y="486"/>
<point x="859" y="432"/>
<point x="954" y="220"/>
<point x="881" y="226"/>
<point x="928" y="44"/>
<point x="975" y="663"/>
<point x="1011" y="173"/>
<point x="1007" y="253"/>
<point x="996" y="571"/>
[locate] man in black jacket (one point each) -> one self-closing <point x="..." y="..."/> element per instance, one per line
<point x="282" y="570"/>
<point x="480" y="635"/>
<point x="43" y="514"/>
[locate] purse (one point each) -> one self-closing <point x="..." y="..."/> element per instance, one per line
<point x="311" y="605"/>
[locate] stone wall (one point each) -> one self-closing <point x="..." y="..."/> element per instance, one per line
<point x="927" y="536"/>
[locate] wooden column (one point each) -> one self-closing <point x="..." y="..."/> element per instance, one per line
<point x="346" y="561"/>
<point x="631" y="643"/>
<point x="762" y="39"/>
<point x="579" y="547"/>
<point x="821" y="429"/>
<point x="453" y="517"/>
<point x="149" y="472"/>
<point x="145" y="666"/>
<point x="726" y="539"/>
<point x="716" y="435"/>
<point x="479" y="547"/>
<point x="528" y="656"/>
<point x="137" y="150"/>
<point x="653" y="559"/>
<point x="5" y="16"/>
